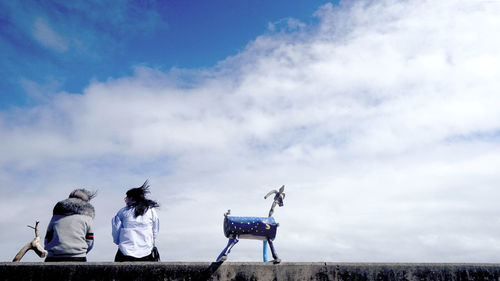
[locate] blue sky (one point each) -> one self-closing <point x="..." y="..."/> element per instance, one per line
<point x="62" y="46"/>
<point x="381" y="118"/>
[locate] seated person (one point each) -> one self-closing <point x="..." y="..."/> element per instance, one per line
<point x="69" y="234"/>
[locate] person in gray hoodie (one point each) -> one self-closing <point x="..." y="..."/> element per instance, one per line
<point x="69" y="234"/>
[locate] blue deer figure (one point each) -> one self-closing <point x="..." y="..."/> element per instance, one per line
<point x="258" y="228"/>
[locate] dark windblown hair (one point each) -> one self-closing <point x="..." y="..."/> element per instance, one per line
<point x="139" y="201"/>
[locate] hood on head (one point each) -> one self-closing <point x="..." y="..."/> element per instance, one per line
<point x="74" y="206"/>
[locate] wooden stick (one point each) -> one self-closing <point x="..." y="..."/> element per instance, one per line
<point x="33" y="245"/>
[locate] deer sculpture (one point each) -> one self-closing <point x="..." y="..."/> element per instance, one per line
<point x="258" y="228"/>
<point x="33" y="245"/>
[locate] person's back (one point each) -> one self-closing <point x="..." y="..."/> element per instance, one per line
<point x="135" y="226"/>
<point x="137" y="233"/>
<point x="69" y="235"/>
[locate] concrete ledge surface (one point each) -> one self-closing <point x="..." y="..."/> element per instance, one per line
<point x="241" y="271"/>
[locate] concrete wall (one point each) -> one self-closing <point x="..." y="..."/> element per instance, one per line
<point x="248" y="271"/>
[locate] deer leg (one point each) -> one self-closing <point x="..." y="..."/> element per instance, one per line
<point x="275" y="256"/>
<point x="227" y="250"/>
<point x="264" y="251"/>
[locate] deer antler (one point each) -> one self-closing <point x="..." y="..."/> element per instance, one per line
<point x="33" y="245"/>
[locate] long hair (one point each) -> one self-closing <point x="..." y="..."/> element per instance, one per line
<point x="139" y="201"/>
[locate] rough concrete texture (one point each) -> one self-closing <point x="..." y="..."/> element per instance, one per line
<point x="248" y="271"/>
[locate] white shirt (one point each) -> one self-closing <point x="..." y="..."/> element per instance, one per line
<point x="135" y="236"/>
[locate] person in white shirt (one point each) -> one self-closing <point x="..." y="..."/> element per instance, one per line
<point x="136" y="226"/>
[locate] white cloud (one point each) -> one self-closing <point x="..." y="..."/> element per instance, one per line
<point x="287" y="24"/>
<point x="48" y="37"/>
<point x="382" y="122"/>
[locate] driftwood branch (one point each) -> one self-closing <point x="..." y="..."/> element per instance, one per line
<point x="33" y="245"/>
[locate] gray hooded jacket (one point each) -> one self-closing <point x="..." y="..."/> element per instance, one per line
<point x="70" y="233"/>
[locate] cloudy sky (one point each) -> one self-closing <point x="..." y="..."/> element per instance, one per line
<point x="381" y="118"/>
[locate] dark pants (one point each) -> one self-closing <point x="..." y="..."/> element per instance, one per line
<point x="121" y="257"/>
<point x="62" y="259"/>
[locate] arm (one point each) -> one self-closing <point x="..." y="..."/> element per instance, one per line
<point x="156" y="224"/>
<point x="116" y="225"/>
<point x="50" y="233"/>
<point x="89" y="237"/>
